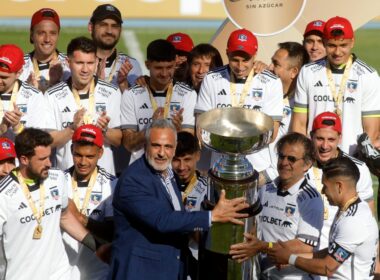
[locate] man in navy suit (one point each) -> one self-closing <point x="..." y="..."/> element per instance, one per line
<point x="151" y="224"/>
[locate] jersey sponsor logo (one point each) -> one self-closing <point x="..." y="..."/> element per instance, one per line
<point x="222" y="92"/>
<point x="144" y="106"/>
<point x="327" y="98"/>
<point x="352" y="86"/>
<point x="104" y="92"/>
<point x="246" y="106"/>
<point x="257" y="94"/>
<point x="66" y="110"/>
<point x="290" y="209"/>
<point x="61" y="94"/>
<point x="22" y="206"/>
<point x="47" y="212"/>
<point x="264" y="79"/>
<point x="180" y="91"/>
<point x="100" y="108"/>
<point x="11" y="190"/>
<point x="315" y="68"/>
<point x="67" y="124"/>
<point x="26" y="93"/>
<point x="256" y="108"/>
<point x="318" y="84"/>
<point x="144" y="120"/>
<point x="95" y="198"/>
<point x="217" y="76"/>
<point x="286" y="224"/>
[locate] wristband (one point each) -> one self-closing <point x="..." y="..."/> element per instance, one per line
<point x="292" y="259"/>
<point x="19" y="129"/>
<point x="270" y="245"/>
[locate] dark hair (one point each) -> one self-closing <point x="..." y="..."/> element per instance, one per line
<point x="82" y="44"/>
<point x="160" y="50"/>
<point x="29" y="139"/>
<point x="337" y="32"/>
<point x="298" y="138"/>
<point x="296" y="53"/>
<point x="341" y="166"/>
<point x="206" y="50"/>
<point x="187" y="144"/>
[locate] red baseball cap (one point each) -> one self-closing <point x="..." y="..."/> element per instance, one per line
<point x="338" y="23"/>
<point x="89" y="133"/>
<point x="314" y="26"/>
<point x="45" y="14"/>
<point x="181" y="42"/>
<point x="11" y="56"/>
<point x="327" y="120"/>
<point x="7" y="149"/>
<point x="242" y="40"/>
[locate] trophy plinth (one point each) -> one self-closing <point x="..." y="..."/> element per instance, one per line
<point x="234" y="133"/>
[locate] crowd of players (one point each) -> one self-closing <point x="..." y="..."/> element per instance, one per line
<point x="75" y="117"/>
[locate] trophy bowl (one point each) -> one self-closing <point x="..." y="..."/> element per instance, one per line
<point x="234" y="131"/>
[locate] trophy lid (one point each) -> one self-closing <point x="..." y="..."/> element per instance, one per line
<point x="234" y="130"/>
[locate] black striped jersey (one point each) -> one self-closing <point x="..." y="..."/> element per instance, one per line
<point x="361" y="97"/>
<point x="353" y="242"/>
<point x="84" y="263"/>
<point x="137" y="109"/>
<point x="296" y="213"/>
<point x="29" y="258"/>
<point x="61" y="107"/>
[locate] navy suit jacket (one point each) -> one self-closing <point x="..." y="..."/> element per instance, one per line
<point x="149" y="233"/>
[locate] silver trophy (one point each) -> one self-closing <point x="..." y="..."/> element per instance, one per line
<point x="233" y="132"/>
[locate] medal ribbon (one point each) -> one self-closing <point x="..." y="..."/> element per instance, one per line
<point x="91" y="102"/>
<point x="244" y="92"/>
<point x="190" y="187"/>
<point x="338" y="96"/>
<point x="37" y="214"/>
<point x="318" y="184"/>
<point x="168" y="98"/>
<point x="113" y="69"/>
<point x="83" y="209"/>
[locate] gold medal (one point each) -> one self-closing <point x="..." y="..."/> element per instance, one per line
<point x="37" y="232"/>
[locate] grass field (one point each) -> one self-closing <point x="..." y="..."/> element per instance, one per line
<point x="366" y="46"/>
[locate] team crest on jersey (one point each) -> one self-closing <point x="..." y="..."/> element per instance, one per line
<point x="54" y="193"/>
<point x="23" y="108"/>
<point x="100" y="107"/>
<point x="257" y="94"/>
<point x="286" y="111"/>
<point x="290" y="209"/>
<point x="352" y="86"/>
<point x="191" y="202"/>
<point x="95" y="198"/>
<point x="341" y="255"/>
<point x="175" y="106"/>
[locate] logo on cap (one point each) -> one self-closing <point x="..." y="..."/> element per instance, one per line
<point x="177" y="39"/>
<point x="242" y="37"/>
<point x="110" y="8"/>
<point x="6" y="146"/>
<point x="318" y="23"/>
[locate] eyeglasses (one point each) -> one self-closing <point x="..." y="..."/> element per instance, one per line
<point x="291" y="159"/>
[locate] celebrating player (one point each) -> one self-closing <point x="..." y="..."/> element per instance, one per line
<point x="340" y="83"/>
<point x="45" y="66"/>
<point x="91" y="188"/>
<point x="83" y="99"/>
<point x="161" y="98"/>
<point x="353" y="238"/>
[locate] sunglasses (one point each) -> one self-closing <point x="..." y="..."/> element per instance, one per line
<point x="291" y="159"/>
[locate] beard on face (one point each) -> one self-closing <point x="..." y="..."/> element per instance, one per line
<point x="104" y="46"/>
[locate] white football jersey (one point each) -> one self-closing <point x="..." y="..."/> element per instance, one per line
<point x="29" y="258"/>
<point x="62" y="107"/>
<point x="112" y="68"/>
<point x="137" y="109"/>
<point x="294" y="214"/>
<point x="85" y="264"/>
<point x="363" y="187"/>
<point x="265" y="95"/>
<point x="31" y="103"/>
<point x="361" y="97"/>
<point x="353" y="242"/>
<point x="28" y="68"/>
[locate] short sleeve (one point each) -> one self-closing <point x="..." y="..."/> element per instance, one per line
<point x="128" y="111"/>
<point x="204" y="102"/>
<point x="301" y="94"/>
<point x="371" y="95"/>
<point x="188" y="113"/>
